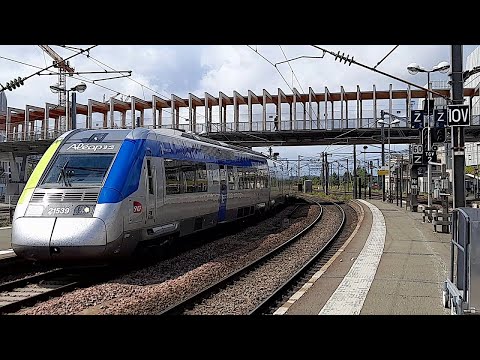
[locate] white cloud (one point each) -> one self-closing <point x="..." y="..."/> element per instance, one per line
<point x="213" y="68"/>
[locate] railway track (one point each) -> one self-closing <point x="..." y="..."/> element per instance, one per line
<point x="243" y="273"/>
<point x="30" y="290"/>
<point x="27" y="291"/>
<point x="282" y="293"/>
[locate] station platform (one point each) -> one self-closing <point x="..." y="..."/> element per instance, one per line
<point x="5" y="242"/>
<point x="393" y="264"/>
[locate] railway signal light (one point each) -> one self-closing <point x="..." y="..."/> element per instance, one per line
<point x="440" y="135"/>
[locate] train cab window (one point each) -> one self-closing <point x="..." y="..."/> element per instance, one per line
<point x="78" y="170"/>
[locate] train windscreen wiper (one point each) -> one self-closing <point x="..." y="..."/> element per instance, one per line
<point x="63" y="174"/>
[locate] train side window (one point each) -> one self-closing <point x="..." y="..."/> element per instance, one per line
<point x="201" y="177"/>
<point x="231" y="178"/>
<point x="150" y="177"/>
<point x="252" y="178"/>
<point x="259" y="179"/>
<point x="172" y="177"/>
<point x="240" y="177"/>
<point x="215" y="175"/>
<point x="189" y="170"/>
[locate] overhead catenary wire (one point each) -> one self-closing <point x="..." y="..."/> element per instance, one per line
<point x="396" y="46"/>
<point x="100" y="63"/>
<point x="293" y="72"/>
<point x="350" y="61"/>
<point x="54" y="72"/>
<point x="78" y="77"/>
<point x="54" y="64"/>
<point x="286" y="82"/>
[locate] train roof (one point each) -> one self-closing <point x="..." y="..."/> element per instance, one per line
<point x="117" y="135"/>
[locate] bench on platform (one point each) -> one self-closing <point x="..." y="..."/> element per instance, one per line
<point x="427" y="213"/>
<point x="441" y="219"/>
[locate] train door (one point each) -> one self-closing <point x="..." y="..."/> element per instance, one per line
<point x="151" y="190"/>
<point x="222" y="209"/>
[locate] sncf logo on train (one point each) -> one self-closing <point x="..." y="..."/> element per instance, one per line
<point x="90" y="147"/>
<point x="137" y="207"/>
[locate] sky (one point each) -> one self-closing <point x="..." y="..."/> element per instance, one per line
<point x="184" y="69"/>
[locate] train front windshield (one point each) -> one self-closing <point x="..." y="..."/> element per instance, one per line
<point x="78" y="170"/>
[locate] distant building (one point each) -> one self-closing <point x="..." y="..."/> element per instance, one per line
<point x="3" y="102"/>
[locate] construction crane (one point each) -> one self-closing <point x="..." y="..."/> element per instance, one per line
<point x="63" y="69"/>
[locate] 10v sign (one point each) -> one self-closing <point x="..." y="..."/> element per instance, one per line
<point x="458" y="115"/>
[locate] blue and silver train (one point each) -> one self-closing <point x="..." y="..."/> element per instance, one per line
<point x="98" y="194"/>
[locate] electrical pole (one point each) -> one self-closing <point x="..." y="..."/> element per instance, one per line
<point x="354" y="171"/>
<point x="383" y="156"/>
<point x="326" y="172"/>
<point x="429" y="148"/>
<point x="74" y="110"/>
<point x="348" y="177"/>
<point x="378" y="177"/>
<point x="338" y="174"/>
<point x="331" y="172"/>
<point x="401" y="182"/>
<point x="458" y="140"/>
<point x="298" y="173"/>
<point x="370" y="180"/>
<point x="396" y="182"/>
<point x="323" y="174"/>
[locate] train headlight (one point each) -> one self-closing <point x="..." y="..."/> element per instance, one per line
<point x="84" y="210"/>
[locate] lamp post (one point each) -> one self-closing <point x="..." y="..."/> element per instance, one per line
<point x="80" y="88"/>
<point x="414" y="69"/>
<point x="383" y="122"/>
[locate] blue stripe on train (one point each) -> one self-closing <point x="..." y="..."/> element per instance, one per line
<point x="124" y="176"/>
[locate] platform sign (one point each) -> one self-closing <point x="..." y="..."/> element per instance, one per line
<point x="414" y="183"/>
<point x="417" y="159"/>
<point x="458" y="115"/>
<point x="417" y="149"/>
<point x="416" y="119"/>
<point x="383" y="171"/>
<point x="440" y="116"/>
<point x="429" y="156"/>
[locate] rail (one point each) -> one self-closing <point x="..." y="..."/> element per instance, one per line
<point x="264" y="307"/>
<point x="195" y="298"/>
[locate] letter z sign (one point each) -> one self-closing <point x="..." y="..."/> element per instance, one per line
<point x="458" y="115"/>
<point x="417" y="159"/>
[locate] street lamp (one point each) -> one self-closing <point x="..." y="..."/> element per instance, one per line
<point x="383" y="122"/>
<point x="414" y="69"/>
<point x="77" y="88"/>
